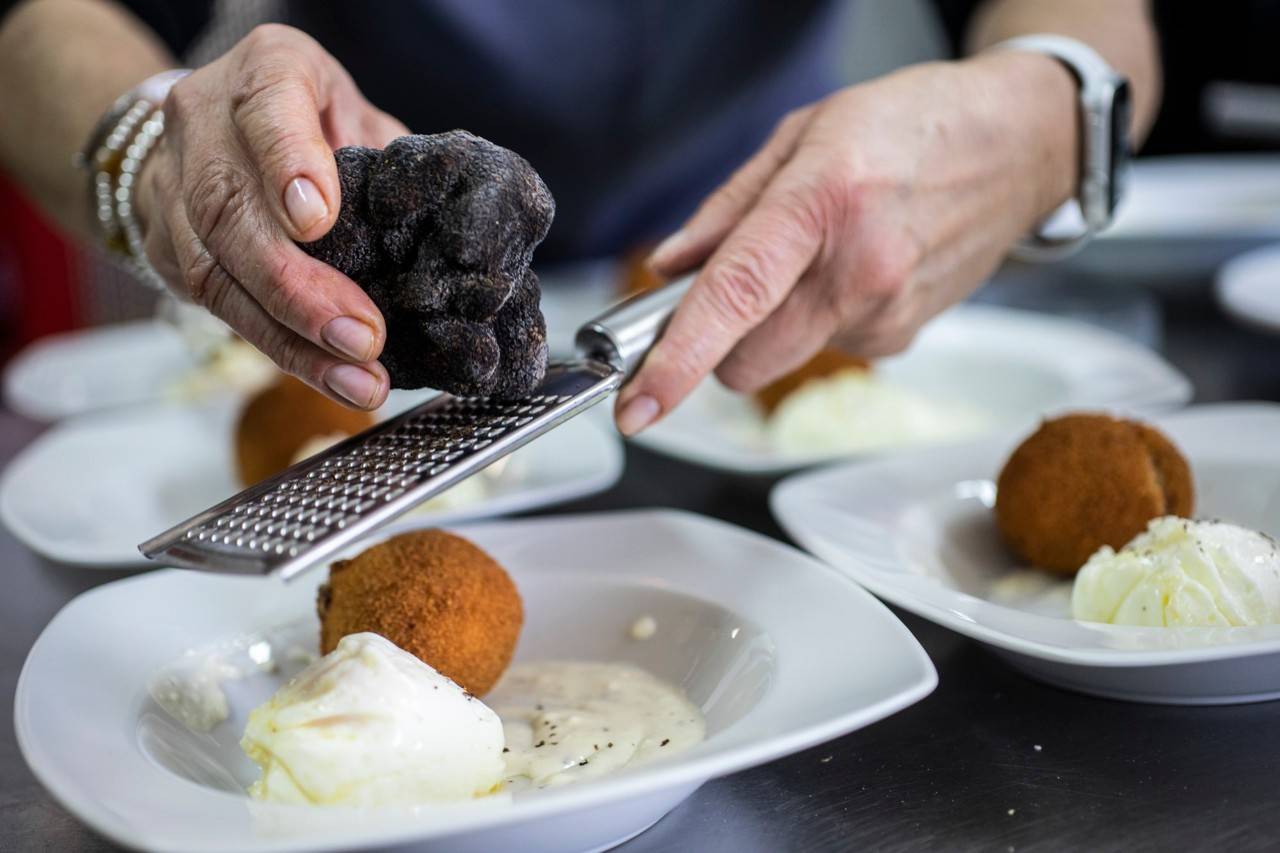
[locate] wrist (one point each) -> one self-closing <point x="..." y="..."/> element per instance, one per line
<point x="1038" y="103"/>
<point x="115" y="156"/>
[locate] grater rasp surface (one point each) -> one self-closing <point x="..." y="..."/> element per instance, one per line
<point x="313" y="510"/>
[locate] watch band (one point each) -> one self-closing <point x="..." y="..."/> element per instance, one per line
<point x="1103" y="103"/>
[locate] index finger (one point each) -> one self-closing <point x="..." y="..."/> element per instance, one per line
<point x="744" y="281"/>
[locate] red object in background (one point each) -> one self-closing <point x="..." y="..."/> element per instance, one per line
<point x="38" y="274"/>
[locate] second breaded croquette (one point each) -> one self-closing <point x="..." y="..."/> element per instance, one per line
<point x="826" y="363"/>
<point x="1086" y="480"/>
<point x="435" y="595"/>
<point x="279" y="421"/>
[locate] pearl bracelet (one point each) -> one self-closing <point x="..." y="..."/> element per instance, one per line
<point x="114" y="157"/>
<point x="135" y="156"/>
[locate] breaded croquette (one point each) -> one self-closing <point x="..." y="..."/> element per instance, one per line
<point x="825" y="363"/>
<point x="280" y="420"/>
<point x="1086" y="480"/>
<point x="433" y="594"/>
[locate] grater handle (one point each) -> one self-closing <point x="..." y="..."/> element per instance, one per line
<point x="623" y="335"/>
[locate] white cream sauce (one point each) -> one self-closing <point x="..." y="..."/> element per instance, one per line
<point x="191" y="691"/>
<point x="571" y="721"/>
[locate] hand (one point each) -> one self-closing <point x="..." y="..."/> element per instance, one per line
<point x="863" y="216"/>
<point x="245" y="167"/>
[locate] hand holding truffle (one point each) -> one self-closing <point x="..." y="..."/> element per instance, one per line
<point x="246" y="168"/>
<point x="439" y="230"/>
<point x="862" y="217"/>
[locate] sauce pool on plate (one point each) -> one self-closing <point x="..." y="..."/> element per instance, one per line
<point x="568" y="721"/>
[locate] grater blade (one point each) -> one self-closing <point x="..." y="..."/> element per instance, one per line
<point x="313" y="510"/>
<point x="307" y="514"/>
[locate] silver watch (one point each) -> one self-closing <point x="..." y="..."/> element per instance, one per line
<point x="1105" y="111"/>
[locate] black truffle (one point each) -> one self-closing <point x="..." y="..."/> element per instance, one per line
<point x="440" y="230"/>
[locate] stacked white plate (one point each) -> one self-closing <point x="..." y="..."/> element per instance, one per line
<point x="91" y="488"/>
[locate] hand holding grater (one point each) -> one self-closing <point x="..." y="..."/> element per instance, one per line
<point x="305" y="515"/>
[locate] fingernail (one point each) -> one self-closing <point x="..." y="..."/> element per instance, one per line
<point x="669" y="248"/>
<point x="637" y="414"/>
<point x="304" y="203"/>
<point x="350" y="337"/>
<point x="352" y="383"/>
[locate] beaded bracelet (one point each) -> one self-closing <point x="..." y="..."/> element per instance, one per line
<point x="114" y="156"/>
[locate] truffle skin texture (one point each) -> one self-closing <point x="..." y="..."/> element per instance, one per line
<point x="1083" y="481"/>
<point x="280" y="419"/>
<point x="440" y="230"/>
<point x="351" y="239"/>
<point x="433" y="594"/>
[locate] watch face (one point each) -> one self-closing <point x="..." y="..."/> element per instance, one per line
<point x="1121" y="115"/>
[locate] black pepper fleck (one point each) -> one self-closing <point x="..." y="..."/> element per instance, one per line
<point x="665" y="742"/>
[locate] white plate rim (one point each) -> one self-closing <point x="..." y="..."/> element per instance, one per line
<point x="522" y="499"/>
<point x="783" y="495"/>
<point x="640" y="783"/>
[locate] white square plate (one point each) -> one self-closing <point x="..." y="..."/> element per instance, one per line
<point x="1007" y="363"/>
<point x="917" y="531"/>
<point x="87" y="491"/>
<point x="779" y="651"/>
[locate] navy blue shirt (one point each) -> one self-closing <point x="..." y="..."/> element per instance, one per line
<point x="631" y="110"/>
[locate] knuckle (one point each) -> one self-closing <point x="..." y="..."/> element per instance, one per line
<point x="208" y="284"/>
<point x="841" y="197"/>
<point x="885" y="268"/>
<point x="266" y="36"/>
<point x="288" y="351"/>
<point x="890" y="333"/>
<point x="279" y="151"/>
<point x="217" y="199"/>
<point x="741" y="375"/>
<point x="738" y="288"/>
<point x="284" y="299"/>
<point x="258" y="86"/>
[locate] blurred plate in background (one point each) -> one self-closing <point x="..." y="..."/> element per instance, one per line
<point x="1185" y="216"/>
<point x="1009" y="366"/>
<point x="90" y="489"/>
<point x="100" y="368"/>
<point x="1249" y="288"/>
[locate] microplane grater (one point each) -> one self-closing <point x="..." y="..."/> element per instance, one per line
<point x="314" y="510"/>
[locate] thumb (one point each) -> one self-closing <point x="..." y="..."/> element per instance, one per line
<point x="280" y="125"/>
